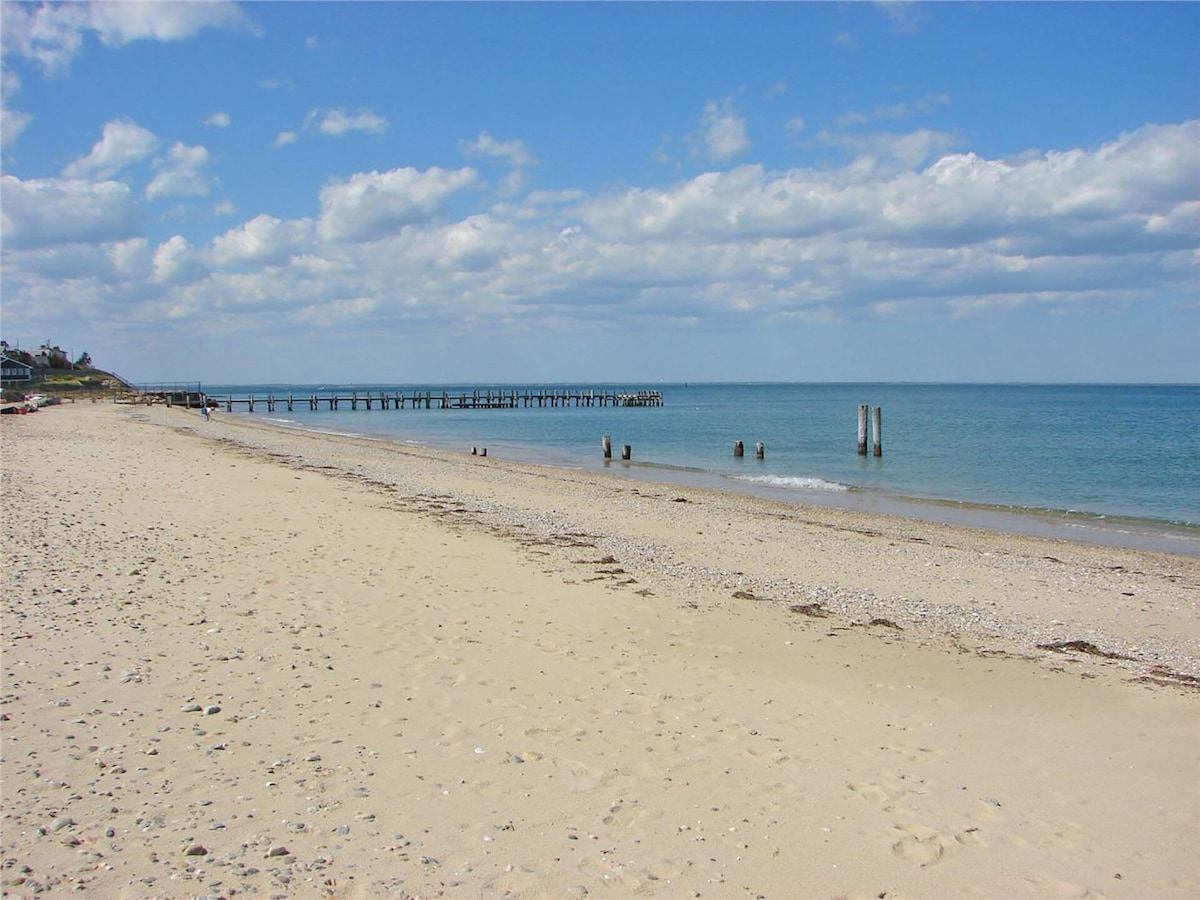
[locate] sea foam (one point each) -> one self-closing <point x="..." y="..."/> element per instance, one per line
<point x="792" y="483"/>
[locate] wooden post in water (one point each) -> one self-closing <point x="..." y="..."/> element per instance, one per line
<point x="862" y="430"/>
<point x="877" y="432"/>
<point x="606" y="443"/>
<point x="626" y="452"/>
<point x="759" y="451"/>
<point x="738" y="449"/>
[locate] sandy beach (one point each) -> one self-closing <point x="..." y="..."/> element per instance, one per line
<point x="243" y="660"/>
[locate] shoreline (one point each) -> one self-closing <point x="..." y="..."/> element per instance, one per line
<point x="330" y="452"/>
<point x="1125" y="532"/>
<point x="241" y="659"/>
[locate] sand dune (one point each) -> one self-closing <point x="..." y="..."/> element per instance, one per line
<point x="239" y="660"/>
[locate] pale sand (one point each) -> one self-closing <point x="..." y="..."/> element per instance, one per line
<point x="445" y="675"/>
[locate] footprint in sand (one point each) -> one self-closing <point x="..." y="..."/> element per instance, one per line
<point x="920" y="844"/>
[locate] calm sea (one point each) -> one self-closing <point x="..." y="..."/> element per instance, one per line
<point x="1112" y="464"/>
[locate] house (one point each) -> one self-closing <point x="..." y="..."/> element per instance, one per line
<point x="14" y="371"/>
<point x="51" y="357"/>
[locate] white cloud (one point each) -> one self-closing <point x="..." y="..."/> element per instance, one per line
<point x="876" y="154"/>
<point x="12" y="123"/>
<point x="372" y="205"/>
<point x="337" y="122"/>
<point x="122" y="144"/>
<point x="218" y="120"/>
<point x="721" y="134"/>
<point x="175" y="261"/>
<point x="906" y="225"/>
<point x="118" y="23"/>
<point x="45" y="212"/>
<point x="52" y="34"/>
<point x="513" y="152"/>
<point x="284" y="138"/>
<point x="180" y="174"/>
<point x="264" y="240"/>
<point x="325" y="314"/>
<point x="894" y="111"/>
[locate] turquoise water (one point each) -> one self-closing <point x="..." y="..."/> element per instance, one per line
<point x="1109" y="460"/>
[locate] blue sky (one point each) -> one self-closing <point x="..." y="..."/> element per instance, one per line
<point x="470" y="192"/>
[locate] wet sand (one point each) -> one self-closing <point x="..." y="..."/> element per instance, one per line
<point x="239" y="660"/>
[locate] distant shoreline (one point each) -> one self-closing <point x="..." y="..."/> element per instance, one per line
<point x="1096" y="530"/>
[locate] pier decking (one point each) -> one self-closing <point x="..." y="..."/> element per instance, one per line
<point x="493" y="398"/>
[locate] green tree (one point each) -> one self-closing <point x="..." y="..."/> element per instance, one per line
<point x="84" y="361"/>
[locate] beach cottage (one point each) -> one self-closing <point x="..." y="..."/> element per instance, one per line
<point x="15" y="371"/>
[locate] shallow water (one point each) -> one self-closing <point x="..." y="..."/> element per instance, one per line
<point x="1104" y="463"/>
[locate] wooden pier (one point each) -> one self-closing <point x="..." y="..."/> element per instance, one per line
<point x="493" y="398"/>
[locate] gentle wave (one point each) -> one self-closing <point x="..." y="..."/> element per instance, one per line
<point x="792" y="483"/>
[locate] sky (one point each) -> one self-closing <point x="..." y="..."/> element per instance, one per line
<point x="404" y="193"/>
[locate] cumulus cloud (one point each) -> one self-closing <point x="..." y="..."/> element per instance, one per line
<point x="337" y="122"/>
<point x="181" y="173"/>
<point x="123" y="143"/>
<point x="175" y="261"/>
<point x="283" y="139"/>
<point x="372" y="205"/>
<point x="118" y="23"/>
<point x="52" y="34"/>
<point x="513" y="152"/>
<point x="45" y="212"/>
<point x="721" y="134"/>
<point x="910" y="221"/>
<point x="218" y="120"/>
<point x="264" y="240"/>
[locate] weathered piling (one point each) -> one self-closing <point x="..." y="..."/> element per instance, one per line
<point x="862" y="430"/>
<point x="626" y="452"/>
<point x="738" y="449"/>
<point x="606" y="444"/>
<point x="760" y="452"/>
<point x="877" y="432"/>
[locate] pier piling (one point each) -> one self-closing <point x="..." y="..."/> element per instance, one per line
<point x="862" y="430"/>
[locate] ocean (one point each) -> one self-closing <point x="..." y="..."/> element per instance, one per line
<point x="1110" y="464"/>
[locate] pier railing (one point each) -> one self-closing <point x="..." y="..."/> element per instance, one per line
<point x="493" y="398"/>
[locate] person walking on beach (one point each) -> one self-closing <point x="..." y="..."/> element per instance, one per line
<point x="204" y="411"/>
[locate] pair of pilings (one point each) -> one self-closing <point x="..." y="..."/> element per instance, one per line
<point x="606" y="445"/>
<point x="876" y="428"/>
<point x="739" y="450"/>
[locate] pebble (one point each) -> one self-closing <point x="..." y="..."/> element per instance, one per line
<point x="278" y="850"/>
<point x="196" y="850"/>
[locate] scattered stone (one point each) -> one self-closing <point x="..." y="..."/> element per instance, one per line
<point x="278" y="850"/>
<point x="196" y="850"/>
<point x="812" y="610"/>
